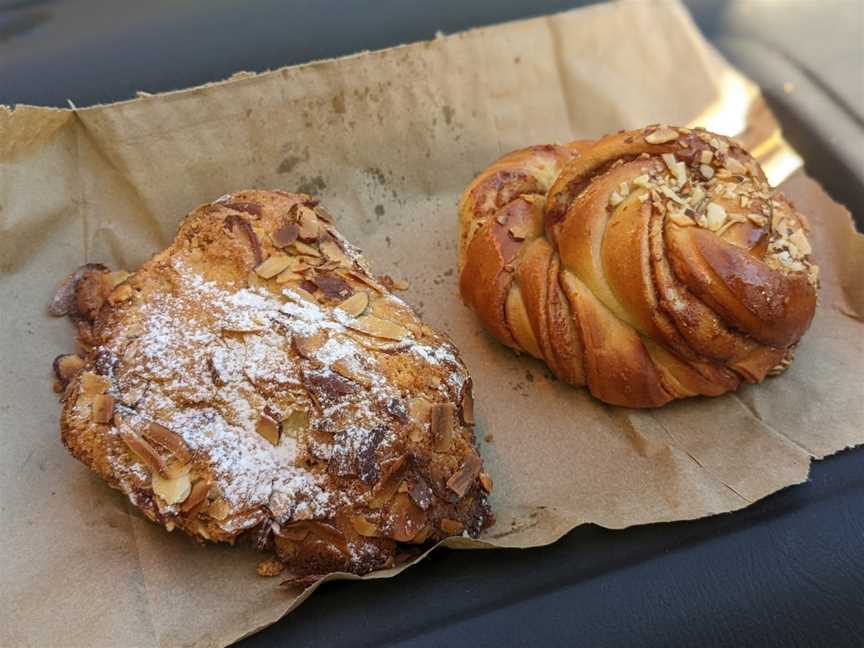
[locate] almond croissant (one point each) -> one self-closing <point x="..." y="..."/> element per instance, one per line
<point x="255" y="381"/>
<point x="649" y="265"/>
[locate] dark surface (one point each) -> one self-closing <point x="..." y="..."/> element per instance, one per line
<point x="788" y="571"/>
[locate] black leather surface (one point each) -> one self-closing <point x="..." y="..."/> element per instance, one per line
<point x="788" y="571"/>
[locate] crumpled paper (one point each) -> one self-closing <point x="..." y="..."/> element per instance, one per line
<point x="388" y="140"/>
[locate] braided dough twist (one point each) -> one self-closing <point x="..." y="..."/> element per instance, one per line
<point x="649" y="265"/>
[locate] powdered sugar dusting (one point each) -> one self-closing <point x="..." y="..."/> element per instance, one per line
<point x="213" y="359"/>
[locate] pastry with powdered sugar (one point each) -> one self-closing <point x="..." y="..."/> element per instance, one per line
<point x="255" y="380"/>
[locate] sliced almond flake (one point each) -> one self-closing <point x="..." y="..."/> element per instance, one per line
<point x="356" y="304"/>
<point x="362" y="278"/>
<point x="377" y="327"/>
<point x="299" y="293"/>
<point x="169" y="440"/>
<point x="219" y="509"/>
<point x="323" y="214"/>
<point x="309" y="262"/>
<point x="269" y="428"/>
<point x="442" y="425"/>
<point x="715" y="216"/>
<point x="394" y="284"/>
<point x="464" y="478"/>
<point x="333" y="252"/>
<point x="102" y="409"/>
<point x="308" y="345"/>
<point x="288" y="276"/>
<point x="299" y="263"/>
<point x="419" y="410"/>
<point x="662" y="135"/>
<point x="706" y="156"/>
<point x="140" y="448"/>
<point x="344" y="369"/>
<point x="176" y="468"/>
<point x="285" y="235"/>
<point x="200" y="490"/>
<point x="364" y="527"/>
<point x="172" y="491"/>
<point x="305" y="248"/>
<point x="329" y="265"/>
<point x="466" y="407"/>
<point x="273" y="266"/>
<point x="308" y="223"/>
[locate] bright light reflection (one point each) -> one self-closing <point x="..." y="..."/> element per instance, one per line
<point x="728" y="116"/>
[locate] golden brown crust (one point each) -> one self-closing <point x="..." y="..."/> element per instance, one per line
<point x="648" y="265"/>
<point x="255" y="380"/>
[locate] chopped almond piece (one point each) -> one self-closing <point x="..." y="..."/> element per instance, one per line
<point x="102" y="408"/>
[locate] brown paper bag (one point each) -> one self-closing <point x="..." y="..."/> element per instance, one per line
<point x="388" y="140"/>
